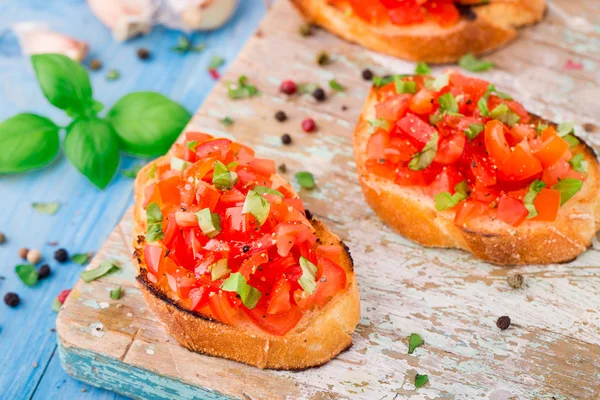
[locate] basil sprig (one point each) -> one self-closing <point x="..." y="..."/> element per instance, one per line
<point x="445" y="200"/>
<point x="567" y="187"/>
<point x="422" y="159"/>
<point x="534" y="189"/>
<point x="143" y="124"/>
<point x="154" y="217"/>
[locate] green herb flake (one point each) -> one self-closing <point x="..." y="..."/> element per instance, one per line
<point x="404" y="86"/>
<point x="210" y="223"/>
<point x="535" y="188"/>
<point x="112" y="75"/>
<point x="267" y="190"/>
<point x="191" y="145"/>
<point x="56" y="305"/>
<point x="335" y="85"/>
<point x="309" y="275"/>
<point x="131" y="172"/>
<point x="237" y="283"/>
<point x="473" y="130"/>
<point x="438" y="83"/>
<point x="223" y="179"/>
<point x="242" y="89"/>
<point x="448" y="103"/>
<point x="80" y="258"/>
<point x="219" y="270"/>
<point x="104" y="268"/>
<point x="579" y="164"/>
<point x="305" y="179"/>
<point x="257" y="206"/>
<point x="422" y="69"/>
<point x="323" y="58"/>
<point x="565" y="128"/>
<point x="152" y="172"/>
<point x="227" y="121"/>
<point x="184" y="45"/>
<point x="216" y="62"/>
<point x="307" y="88"/>
<point x="179" y="164"/>
<point x="27" y="273"/>
<point x="50" y="208"/>
<point x="571" y="140"/>
<point x="115" y="293"/>
<point x="154" y="218"/>
<point x="505" y="115"/>
<point x="378" y="123"/>
<point x="421" y="380"/>
<point x="541" y="128"/>
<point x="414" y="341"/>
<point x="425" y="157"/>
<point x="473" y="64"/>
<point x="445" y="200"/>
<point x="567" y="187"/>
<point x="380" y="81"/>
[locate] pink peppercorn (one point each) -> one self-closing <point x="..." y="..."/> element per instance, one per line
<point x="214" y="73"/>
<point x="63" y="296"/>
<point x="308" y="125"/>
<point x="288" y="87"/>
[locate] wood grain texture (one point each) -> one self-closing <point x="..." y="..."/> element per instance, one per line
<point x="552" y="349"/>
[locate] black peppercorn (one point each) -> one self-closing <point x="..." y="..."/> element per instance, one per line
<point x="12" y="299"/>
<point x="308" y="214"/>
<point x="280" y="116"/>
<point x="61" y="255"/>
<point x="44" y="271"/>
<point x="246" y="248"/>
<point x="143" y="54"/>
<point x="95" y="64"/>
<point x="503" y="322"/>
<point x="319" y="94"/>
<point x="367" y="74"/>
<point x="286" y="139"/>
<point x="283" y="168"/>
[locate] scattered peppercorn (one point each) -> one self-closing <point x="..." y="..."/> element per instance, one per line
<point x="95" y="64"/>
<point x="308" y="125"/>
<point x="282" y="168"/>
<point x="23" y="253"/>
<point x="44" y="271"/>
<point x="286" y="139"/>
<point x="2" y="238"/>
<point x="515" y="280"/>
<point x="367" y="74"/>
<point x="280" y="116"/>
<point x="503" y="322"/>
<point x="344" y="108"/>
<point x="323" y="58"/>
<point x="308" y="214"/>
<point x="288" y="87"/>
<point x="143" y="54"/>
<point x="61" y="255"/>
<point x="246" y="248"/>
<point x="34" y="256"/>
<point x="12" y="299"/>
<point x="319" y="94"/>
<point x="305" y="30"/>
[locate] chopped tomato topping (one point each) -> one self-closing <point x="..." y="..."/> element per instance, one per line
<point x="512" y="211"/>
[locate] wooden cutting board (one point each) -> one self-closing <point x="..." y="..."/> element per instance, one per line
<point x="552" y="349"/>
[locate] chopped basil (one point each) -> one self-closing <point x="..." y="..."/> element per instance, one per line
<point x="242" y="89"/>
<point x="223" y="179"/>
<point x="535" y="187"/>
<point x="191" y="145"/>
<point x="179" y="164"/>
<point x="80" y="258"/>
<point x="131" y="172"/>
<point x="237" y="283"/>
<point x="184" y="45"/>
<point x="436" y="118"/>
<point x="378" y="123"/>
<point x="256" y="205"/>
<point x="335" y="85"/>
<point x="572" y="140"/>
<point x="473" y="64"/>
<point x="209" y="222"/>
<point x="413" y="342"/>
<point x="578" y="163"/>
<point x="448" y="103"/>
<point x="505" y="115"/>
<point x="309" y="276"/>
<point x="27" y="273"/>
<point x="219" y="270"/>
<point x="267" y="190"/>
<point x="216" y="62"/>
<point x="483" y="101"/>
<point x="404" y="86"/>
<point x="380" y="81"/>
<point x="420" y="380"/>
<point x="422" y="159"/>
<point x="227" y="121"/>
<point x="445" y="200"/>
<point x="104" y="268"/>
<point x="56" y="305"/>
<point x="422" y="69"/>
<point x="305" y="179"/>
<point x="541" y="128"/>
<point x="49" y="208"/>
<point x="115" y="293"/>
<point x="154" y="218"/>
<point x="473" y="130"/>
<point x="438" y="83"/>
<point x="567" y="187"/>
<point x="152" y="172"/>
<point x="565" y="128"/>
<point x="232" y="165"/>
<point x="307" y="88"/>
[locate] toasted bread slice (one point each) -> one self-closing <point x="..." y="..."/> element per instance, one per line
<point x="489" y="27"/>
<point x="411" y="212"/>
<point x="319" y="336"/>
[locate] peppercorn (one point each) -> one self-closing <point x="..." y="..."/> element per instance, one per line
<point x="308" y="125"/>
<point x="305" y="30"/>
<point x="246" y="248"/>
<point x="319" y="94"/>
<point x="367" y="74"/>
<point x="286" y="139"/>
<point x="282" y="168"/>
<point x="12" y="299"/>
<point x="2" y="238"/>
<point x="323" y="58"/>
<point x="308" y="214"/>
<point x="288" y="87"/>
<point x="515" y="280"/>
<point x="143" y="54"/>
<point x="34" y="256"/>
<point x="23" y="253"/>
<point x="44" y="271"/>
<point x="344" y="108"/>
<point x="280" y="116"/>
<point x="95" y="64"/>
<point x="61" y="255"/>
<point x="503" y="322"/>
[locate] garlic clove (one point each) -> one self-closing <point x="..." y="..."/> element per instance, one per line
<point x="125" y="18"/>
<point x="35" y="37"/>
<point x="207" y="14"/>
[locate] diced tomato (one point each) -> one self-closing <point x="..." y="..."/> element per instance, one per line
<point x="206" y="196"/>
<point x="232" y="196"/>
<point x="495" y="142"/>
<point x="213" y="148"/>
<point x="468" y="210"/>
<point x="221" y="307"/>
<point x="409" y="13"/>
<point x="334" y="253"/>
<point x="186" y="194"/>
<point x="520" y="165"/>
<point x="384" y="169"/>
<point x="393" y="108"/>
<point x="278" y="324"/>
<point x="445" y="181"/>
<point x="288" y="234"/>
<point x="186" y="219"/>
<point x="198" y="137"/>
<point x="152" y="256"/>
<point x="199" y="298"/>
<point x="422" y="102"/>
<point x="151" y="195"/>
<point x="169" y="190"/>
<point x="399" y="149"/>
<point x="520" y="132"/>
<point x="263" y="166"/>
<point x="450" y="148"/>
<point x="474" y="87"/>
<point x="547" y="203"/>
<point x="235" y="219"/>
<point x="408" y="177"/>
<point x="556" y="172"/>
<point x="551" y="150"/>
<point x="516" y="107"/>
<point x="171" y="230"/>
<point x="547" y="133"/>
<point x="483" y="170"/>
<point x="512" y="211"/>
<point x="331" y="278"/>
<point x="444" y="12"/>
<point x="376" y="145"/>
<point x="280" y="297"/>
<point x="200" y="169"/>
<point x="416" y="128"/>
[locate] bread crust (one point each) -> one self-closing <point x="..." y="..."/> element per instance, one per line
<point x="319" y="336"/>
<point x="412" y="213"/>
<point x="494" y="25"/>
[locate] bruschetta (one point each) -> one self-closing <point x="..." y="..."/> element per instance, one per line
<point x="234" y="266"/>
<point x="454" y="162"/>
<point x="434" y="31"/>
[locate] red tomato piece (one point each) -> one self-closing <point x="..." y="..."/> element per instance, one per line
<point x="444" y="12"/>
<point x="198" y="137"/>
<point x="206" y="196"/>
<point x="393" y="108"/>
<point x="554" y="173"/>
<point x="280" y="297"/>
<point x="288" y="234"/>
<point x="384" y="169"/>
<point x="199" y="298"/>
<point x="520" y="132"/>
<point x="450" y="148"/>
<point x="468" y="210"/>
<point x="512" y="211"/>
<point x="445" y="181"/>
<point x="169" y="190"/>
<point x="376" y="145"/>
<point x="221" y="307"/>
<point x="399" y="149"/>
<point x="331" y="278"/>
<point x="474" y="87"/>
<point x="416" y="128"/>
<point x="551" y="150"/>
<point x="520" y="165"/>
<point x="547" y="203"/>
<point x="278" y="324"/>
<point x="495" y="142"/>
<point x="409" y="13"/>
<point x="334" y="253"/>
<point x="407" y="177"/>
<point x="422" y="102"/>
<point x="483" y="169"/>
<point x="215" y="148"/>
<point x="263" y="166"/>
<point x="152" y="256"/>
<point x="186" y="219"/>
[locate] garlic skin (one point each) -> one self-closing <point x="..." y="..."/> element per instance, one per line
<point x="208" y="14"/>
<point x="125" y="18"/>
<point x="35" y="37"/>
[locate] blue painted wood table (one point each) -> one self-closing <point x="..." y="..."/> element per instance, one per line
<point x="29" y="366"/>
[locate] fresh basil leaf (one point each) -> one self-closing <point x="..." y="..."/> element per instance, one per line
<point x="404" y="86"/>
<point x="378" y="123"/>
<point x="579" y="164"/>
<point x="445" y="200"/>
<point x="307" y="88"/>
<point x="422" y="69"/>
<point x="541" y="128"/>
<point x="216" y="62"/>
<point x="420" y="380"/>
<point x="425" y="157"/>
<point x="565" y="128"/>
<point x="154" y="219"/>
<point x="473" y="64"/>
<point x="572" y="140"/>
<point x="219" y="270"/>
<point x="258" y="206"/>
<point x="567" y="187"/>
<point x="152" y="172"/>
<point x="413" y="342"/>
<point x="27" y="141"/>
<point x="237" y="283"/>
<point x="448" y="103"/>
<point x="104" y="268"/>
<point x="50" y="208"/>
<point x="473" y="130"/>
<point x="209" y="222"/>
<point x="505" y="115"/>
<point x="56" y="305"/>
<point x="436" y="118"/>
<point x="92" y="147"/>
<point x="223" y="179"/>
<point x="27" y="273"/>
<point x="131" y="172"/>
<point x="438" y="83"/>
<point x="242" y="89"/>
<point x="267" y="190"/>
<point x="309" y="274"/>
<point x="80" y="258"/>
<point x="115" y="293"/>
<point x="227" y="121"/>
<point x="65" y="83"/>
<point x="535" y="188"/>
<point x="380" y="81"/>
<point x="305" y="179"/>
<point x="147" y="123"/>
<point x="335" y="85"/>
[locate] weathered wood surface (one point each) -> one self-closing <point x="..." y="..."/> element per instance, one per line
<point x="552" y="349"/>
